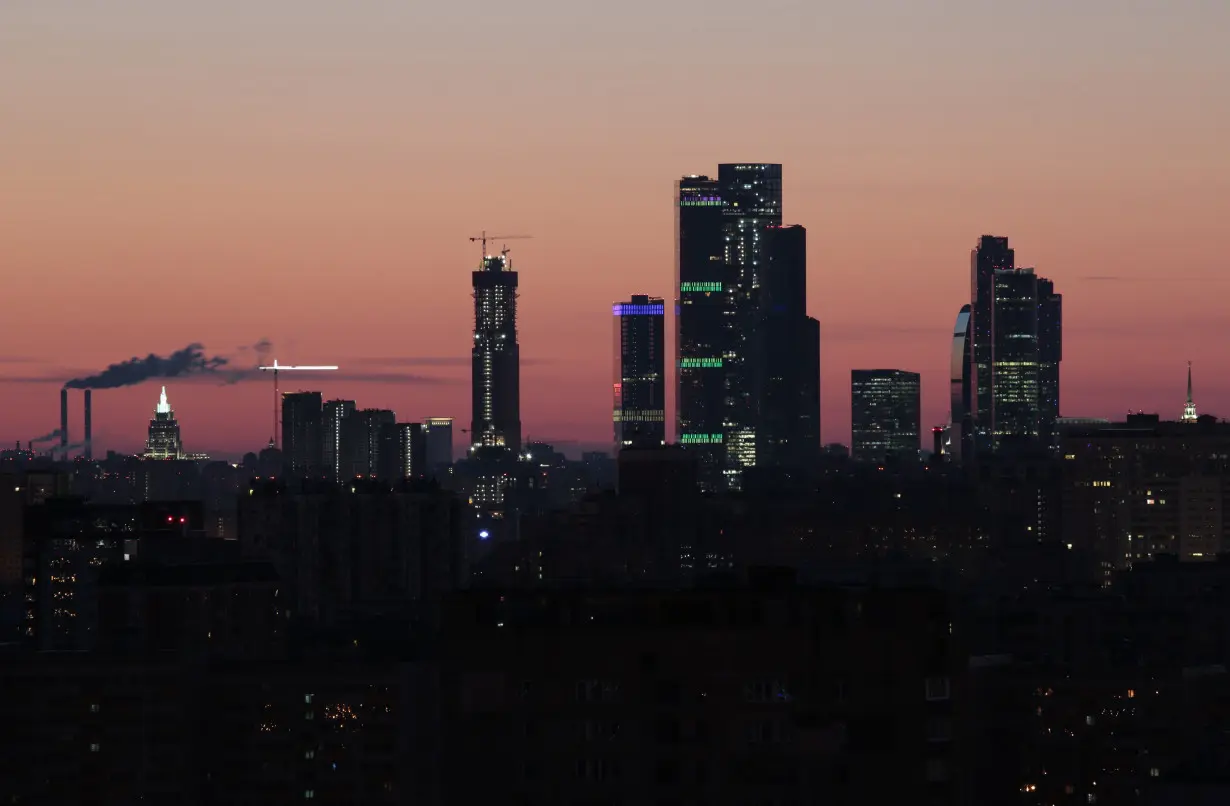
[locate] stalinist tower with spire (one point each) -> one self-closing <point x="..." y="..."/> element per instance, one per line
<point x="1189" y="410"/>
<point x="164" y="441"/>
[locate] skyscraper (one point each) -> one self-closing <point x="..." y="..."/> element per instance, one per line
<point x="702" y="330"/>
<point x="164" y="440"/>
<point x="438" y="440"/>
<point x="639" y="386"/>
<point x="335" y="412"/>
<point x="992" y="254"/>
<point x="751" y="196"/>
<point x="885" y="414"/>
<point x="402" y="453"/>
<point x="1050" y="354"/>
<point x="496" y="372"/>
<point x="361" y="442"/>
<point x="960" y="427"/>
<point x="1014" y="357"/>
<point x="303" y="434"/>
<point x="786" y="355"/>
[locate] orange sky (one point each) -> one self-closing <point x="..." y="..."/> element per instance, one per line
<point x="309" y="172"/>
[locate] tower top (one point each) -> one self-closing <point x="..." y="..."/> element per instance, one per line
<point x="1189" y="410"/>
<point x="163" y="406"/>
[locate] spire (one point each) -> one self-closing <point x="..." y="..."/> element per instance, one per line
<point x="1189" y="410"/>
<point x="163" y="406"/>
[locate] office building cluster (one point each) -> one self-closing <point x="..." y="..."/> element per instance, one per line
<point x="337" y="441"/>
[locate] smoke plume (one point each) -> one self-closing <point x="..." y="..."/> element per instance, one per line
<point x="45" y="437"/>
<point x="189" y="361"/>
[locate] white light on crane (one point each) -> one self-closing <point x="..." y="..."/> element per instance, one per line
<point x="275" y="367"/>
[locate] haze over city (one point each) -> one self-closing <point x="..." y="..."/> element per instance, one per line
<point x="309" y="173"/>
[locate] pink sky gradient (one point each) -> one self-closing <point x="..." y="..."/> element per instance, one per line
<point x="309" y="172"/>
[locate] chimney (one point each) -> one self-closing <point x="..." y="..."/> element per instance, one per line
<point x="89" y="426"/>
<point x="64" y="423"/>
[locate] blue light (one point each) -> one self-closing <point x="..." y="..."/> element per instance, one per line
<point x="628" y="309"/>
<point x="484" y="534"/>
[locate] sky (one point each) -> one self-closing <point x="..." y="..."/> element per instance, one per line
<point x="309" y="172"/>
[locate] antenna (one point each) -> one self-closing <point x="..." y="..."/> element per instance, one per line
<point x="276" y="368"/>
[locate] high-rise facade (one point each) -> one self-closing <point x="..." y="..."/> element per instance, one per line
<point x="1050" y="354"/>
<point x="303" y="434"/>
<point x="639" y="386"/>
<point x="335" y="413"/>
<point x="164" y="438"/>
<point x="438" y="443"/>
<point x="361" y="442"/>
<point x="885" y="414"/>
<point x="496" y="369"/>
<point x="1014" y="357"/>
<point x="402" y="452"/>
<point x="991" y="255"/>
<point x="785" y="355"/>
<point x="960" y="424"/>
<point x="702" y="328"/>
<point x="751" y="201"/>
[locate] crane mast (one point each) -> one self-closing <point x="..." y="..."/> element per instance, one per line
<point x="275" y="368"/>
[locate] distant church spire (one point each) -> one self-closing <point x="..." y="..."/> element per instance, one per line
<point x="1189" y="410"/>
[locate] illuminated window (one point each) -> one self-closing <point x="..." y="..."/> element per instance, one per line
<point x="93" y="747"/>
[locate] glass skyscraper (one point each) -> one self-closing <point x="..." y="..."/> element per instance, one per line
<point x="1014" y="356"/>
<point x="885" y="414"/>
<point x="960" y="430"/>
<point x="991" y="255"/>
<point x="639" y="385"/>
<point x="702" y="324"/>
<point x="496" y="368"/>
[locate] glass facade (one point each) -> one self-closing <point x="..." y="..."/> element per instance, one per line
<point x="991" y="255"/>
<point x="1014" y="356"/>
<point x="496" y="366"/>
<point x="960" y="437"/>
<point x="639" y="385"/>
<point x="885" y="414"/>
<point x="701" y="324"/>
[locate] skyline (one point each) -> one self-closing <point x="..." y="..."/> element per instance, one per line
<point x="313" y="206"/>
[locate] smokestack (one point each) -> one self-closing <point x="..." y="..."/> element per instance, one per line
<point x="89" y="426"/>
<point x="64" y="422"/>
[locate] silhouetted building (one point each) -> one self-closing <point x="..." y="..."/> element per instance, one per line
<point x="885" y="414"/>
<point x="1050" y="354"/>
<point x="361" y="442"/>
<point x="164" y="440"/>
<point x="438" y="434"/>
<point x="1143" y="487"/>
<point x="640" y="372"/>
<point x="751" y="201"/>
<point x="960" y="437"/>
<point x="403" y="452"/>
<point x="1189" y="408"/>
<point x="303" y="434"/>
<point x="992" y="254"/>
<point x="787" y="356"/>
<point x="702" y="328"/>
<point x="335" y="413"/>
<point x="1015" y="359"/>
<point x="496" y="383"/>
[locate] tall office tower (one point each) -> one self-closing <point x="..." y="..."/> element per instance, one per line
<point x="786" y="355"/>
<point x="438" y="441"/>
<point x="1014" y="357"/>
<point x="335" y="412"/>
<point x="751" y="196"/>
<point x="702" y="330"/>
<point x="360" y="442"/>
<point x="496" y="377"/>
<point x="960" y="426"/>
<point x="403" y="452"/>
<point x="1050" y="354"/>
<point x="640" y="372"/>
<point x="163" y="441"/>
<point x="991" y="255"/>
<point x="303" y="434"/>
<point x="885" y="414"/>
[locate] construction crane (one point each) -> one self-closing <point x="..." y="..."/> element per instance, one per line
<point x="485" y="237"/>
<point x="276" y="368"/>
